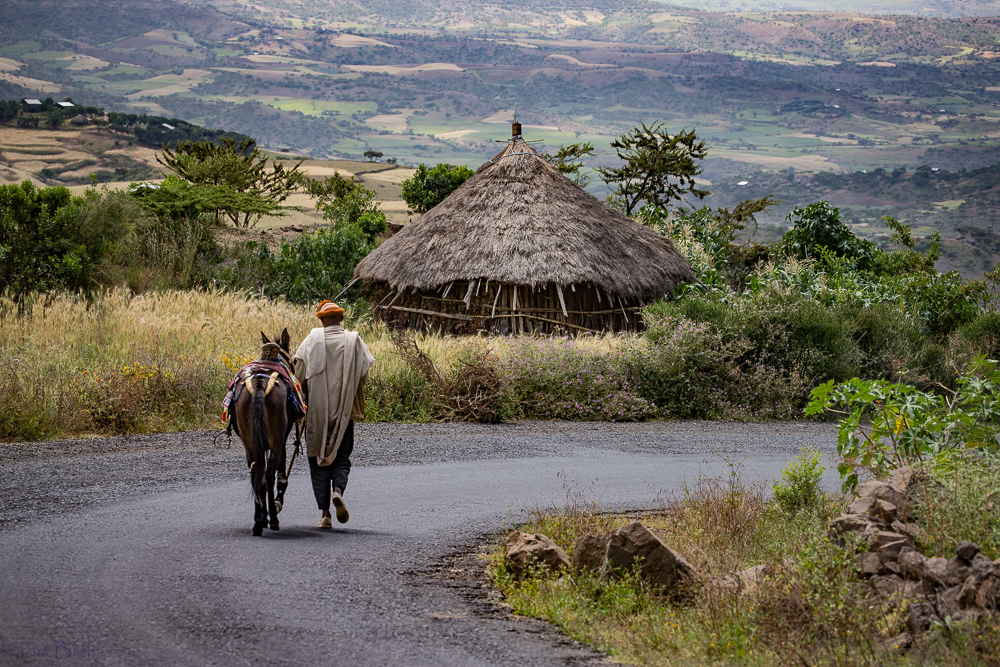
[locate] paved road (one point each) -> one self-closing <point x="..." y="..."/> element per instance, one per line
<point x="138" y="550"/>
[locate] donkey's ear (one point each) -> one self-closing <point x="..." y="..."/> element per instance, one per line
<point x="286" y="340"/>
<point x="264" y="338"/>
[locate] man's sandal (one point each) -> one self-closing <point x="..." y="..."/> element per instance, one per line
<point x="325" y="522"/>
<point x="338" y="503"/>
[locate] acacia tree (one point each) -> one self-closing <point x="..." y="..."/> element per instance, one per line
<point x="569" y="161"/>
<point x="240" y="169"/>
<point x="659" y="167"/>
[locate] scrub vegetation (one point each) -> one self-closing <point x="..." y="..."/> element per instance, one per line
<point x="812" y="607"/>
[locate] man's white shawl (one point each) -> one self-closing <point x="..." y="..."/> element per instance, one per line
<point x="335" y="361"/>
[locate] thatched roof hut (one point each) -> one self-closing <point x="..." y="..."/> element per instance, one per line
<point x="521" y="248"/>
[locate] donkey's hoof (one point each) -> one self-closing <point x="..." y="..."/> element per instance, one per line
<point x="258" y="530"/>
<point x="274" y="525"/>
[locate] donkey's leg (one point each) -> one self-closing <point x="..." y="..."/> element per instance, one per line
<point x="259" y="500"/>
<point x="282" y="483"/>
<point x="271" y="509"/>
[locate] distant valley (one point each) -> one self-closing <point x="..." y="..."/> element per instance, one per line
<point x="776" y="93"/>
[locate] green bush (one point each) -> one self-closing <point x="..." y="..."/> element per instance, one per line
<point x="983" y="333"/>
<point x="397" y="392"/>
<point x="429" y="187"/>
<point x="819" y="226"/>
<point x="694" y="371"/>
<point x="785" y="331"/>
<point x="310" y="269"/>
<point x="885" y="425"/>
<point x="553" y="378"/>
<point x="345" y="201"/>
<point x="799" y="485"/>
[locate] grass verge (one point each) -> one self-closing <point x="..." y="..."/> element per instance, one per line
<point x="812" y="609"/>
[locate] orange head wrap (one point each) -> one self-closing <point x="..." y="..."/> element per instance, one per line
<point x="328" y="309"/>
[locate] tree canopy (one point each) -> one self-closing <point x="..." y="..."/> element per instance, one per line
<point x="344" y="201"/>
<point x="244" y="187"/>
<point x="659" y="167"/>
<point x="429" y="187"/>
<point x="569" y="161"/>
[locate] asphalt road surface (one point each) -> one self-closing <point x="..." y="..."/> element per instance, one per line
<point x="137" y="551"/>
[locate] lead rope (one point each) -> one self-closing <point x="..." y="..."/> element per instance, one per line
<point x="295" y="451"/>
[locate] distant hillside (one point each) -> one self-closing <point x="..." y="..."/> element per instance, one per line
<point x="963" y="205"/>
<point x="929" y="8"/>
<point x="107" y="21"/>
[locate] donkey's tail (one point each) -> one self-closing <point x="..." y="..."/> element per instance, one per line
<point x="258" y="425"/>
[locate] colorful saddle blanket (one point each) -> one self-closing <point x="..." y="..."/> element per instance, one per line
<point x="264" y="369"/>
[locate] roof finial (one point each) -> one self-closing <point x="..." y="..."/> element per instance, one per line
<point x="515" y="127"/>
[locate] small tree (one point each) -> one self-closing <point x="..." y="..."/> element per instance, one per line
<point x="240" y="169"/>
<point x="818" y="226"/>
<point x="429" y="187"/>
<point x="373" y="155"/>
<point x="344" y="201"/>
<point x="569" y="161"/>
<point x="54" y="118"/>
<point x="659" y="167"/>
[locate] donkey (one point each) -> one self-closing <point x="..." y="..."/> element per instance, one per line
<point x="264" y="418"/>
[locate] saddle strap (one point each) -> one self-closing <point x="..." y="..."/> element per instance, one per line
<point x="248" y="383"/>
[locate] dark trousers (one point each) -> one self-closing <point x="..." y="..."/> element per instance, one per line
<point x="325" y="478"/>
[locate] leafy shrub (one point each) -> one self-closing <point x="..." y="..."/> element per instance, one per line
<point x="819" y="226"/>
<point x="43" y="245"/>
<point x="309" y="269"/>
<point x="799" y="485"/>
<point x="397" y="392"/>
<point x="429" y="187"/>
<point x="345" y="201"/>
<point x="884" y="425"/>
<point x="984" y="334"/>
<point x="693" y="371"/>
<point x="557" y="378"/>
<point x="785" y="331"/>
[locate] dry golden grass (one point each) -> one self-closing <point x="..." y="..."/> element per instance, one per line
<point x="161" y="361"/>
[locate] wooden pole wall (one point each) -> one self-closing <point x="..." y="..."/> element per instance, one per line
<point x="538" y="309"/>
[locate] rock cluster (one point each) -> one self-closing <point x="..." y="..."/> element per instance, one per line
<point x="966" y="586"/>
<point x="612" y="554"/>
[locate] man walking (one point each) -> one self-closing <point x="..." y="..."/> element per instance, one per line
<point x="334" y="364"/>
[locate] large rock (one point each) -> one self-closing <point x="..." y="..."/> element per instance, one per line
<point x="966" y="550"/>
<point x="920" y="617"/>
<point x="911" y="564"/>
<point x="885" y="540"/>
<point x="590" y="552"/>
<point x="888" y="585"/>
<point x="874" y="507"/>
<point x="911" y="530"/>
<point x="946" y="571"/>
<point x="523" y="551"/>
<point x="878" y="490"/>
<point x="988" y="595"/>
<point x="658" y="564"/>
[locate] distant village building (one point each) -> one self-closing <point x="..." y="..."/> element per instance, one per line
<point x="520" y="248"/>
<point x="165" y="126"/>
<point x="31" y="106"/>
<point x="79" y="120"/>
<point x="65" y="105"/>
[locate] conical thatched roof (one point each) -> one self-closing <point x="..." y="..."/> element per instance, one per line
<point x="518" y="221"/>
